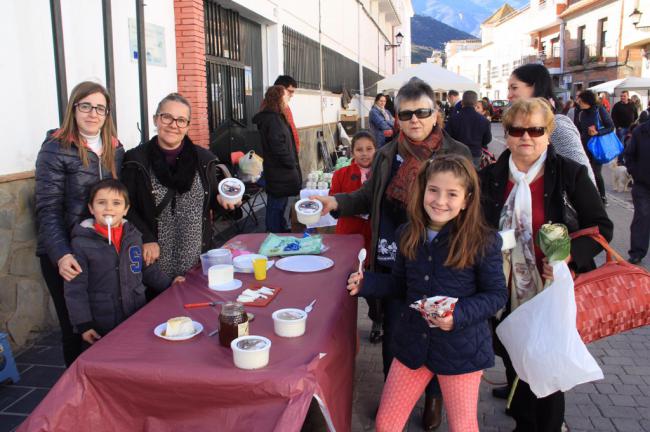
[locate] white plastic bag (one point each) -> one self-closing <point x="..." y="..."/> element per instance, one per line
<point x="250" y="167"/>
<point x="543" y="342"/>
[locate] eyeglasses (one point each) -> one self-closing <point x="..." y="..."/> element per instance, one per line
<point x="533" y="132"/>
<point x="86" y="107"/>
<point x="168" y="119"/>
<point x="420" y="113"/>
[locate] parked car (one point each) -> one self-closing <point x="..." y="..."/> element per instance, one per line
<point x="498" y="107"/>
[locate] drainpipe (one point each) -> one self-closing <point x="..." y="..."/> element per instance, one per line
<point x="361" y="84"/>
<point x="320" y="58"/>
<point x="562" y="55"/>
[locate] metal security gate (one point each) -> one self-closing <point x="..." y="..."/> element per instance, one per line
<point x="234" y="79"/>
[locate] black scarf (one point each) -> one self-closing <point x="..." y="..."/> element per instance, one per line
<point x="179" y="177"/>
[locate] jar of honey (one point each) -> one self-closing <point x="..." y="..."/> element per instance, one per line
<point x="233" y="322"/>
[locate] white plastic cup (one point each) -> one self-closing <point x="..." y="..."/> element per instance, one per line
<point x="214" y="257"/>
<point x="509" y="240"/>
<point x="254" y="358"/>
<point x="289" y="328"/>
<point x="308" y="211"/>
<point x="232" y="190"/>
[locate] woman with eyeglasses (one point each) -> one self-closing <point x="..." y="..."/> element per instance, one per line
<point x="385" y="196"/>
<point x="83" y="151"/>
<point x="172" y="187"/>
<point x="529" y="185"/>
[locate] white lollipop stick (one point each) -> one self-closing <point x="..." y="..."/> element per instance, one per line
<point x="109" y="222"/>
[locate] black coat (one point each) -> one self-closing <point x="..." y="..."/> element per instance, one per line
<point x="481" y="292"/>
<point x="560" y="175"/>
<point x="136" y="175"/>
<point x="281" y="165"/>
<point x="470" y="128"/>
<point x="62" y="187"/>
<point x="623" y="115"/>
<point x="637" y="155"/>
<point x="110" y="287"/>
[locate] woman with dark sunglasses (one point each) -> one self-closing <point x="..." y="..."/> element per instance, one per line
<point x="533" y="80"/>
<point x="529" y="185"/>
<point x="83" y="151"/>
<point x="385" y="195"/>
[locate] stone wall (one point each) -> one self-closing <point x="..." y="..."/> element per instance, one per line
<point x="25" y="304"/>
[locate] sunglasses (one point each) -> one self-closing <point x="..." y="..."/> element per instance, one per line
<point x="533" y="132"/>
<point x="419" y="113"/>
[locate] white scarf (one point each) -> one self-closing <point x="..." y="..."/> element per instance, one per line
<point x="517" y="214"/>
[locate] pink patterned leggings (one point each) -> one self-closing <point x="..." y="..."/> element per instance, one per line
<point x="404" y="387"/>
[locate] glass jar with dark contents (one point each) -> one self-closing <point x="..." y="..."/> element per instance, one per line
<point x="233" y="323"/>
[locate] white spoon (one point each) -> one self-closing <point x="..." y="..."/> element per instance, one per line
<point x="310" y="306"/>
<point x="362" y="258"/>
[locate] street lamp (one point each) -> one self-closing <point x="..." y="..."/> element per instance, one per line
<point x="635" y="17"/>
<point x="399" y="37"/>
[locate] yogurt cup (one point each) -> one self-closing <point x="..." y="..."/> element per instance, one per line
<point x="289" y="322"/>
<point x="250" y="352"/>
<point x="232" y="190"/>
<point x="308" y="211"/>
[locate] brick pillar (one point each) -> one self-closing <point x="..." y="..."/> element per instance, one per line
<point x="190" y="65"/>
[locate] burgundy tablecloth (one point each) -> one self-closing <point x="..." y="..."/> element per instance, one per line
<point x="131" y="380"/>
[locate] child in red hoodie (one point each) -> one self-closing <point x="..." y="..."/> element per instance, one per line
<point x="349" y="179"/>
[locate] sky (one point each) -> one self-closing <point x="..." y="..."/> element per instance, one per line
<point x="464" y="15"/>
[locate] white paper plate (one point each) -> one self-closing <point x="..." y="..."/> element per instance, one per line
<point x="244" y="263"/>
<point x="304" y="263"/>
<point x="230" y="286"/>
<point x="158" y="331"/>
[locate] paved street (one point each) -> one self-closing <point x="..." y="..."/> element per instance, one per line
<point x="620" y="402"/>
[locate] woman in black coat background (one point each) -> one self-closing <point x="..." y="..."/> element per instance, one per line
<point x="591" y="114"/>
<point x="281" y="166"/>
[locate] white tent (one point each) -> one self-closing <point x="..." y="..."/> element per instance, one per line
<point x="630" y="83"/>
<point x="440" y="79"/>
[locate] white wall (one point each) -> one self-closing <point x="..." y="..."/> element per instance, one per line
<point x="28" y="82"/>
<point x="28" y="73"/>
<point x="161" y="80"/>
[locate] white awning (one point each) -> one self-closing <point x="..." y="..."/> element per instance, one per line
<point x="440" y="79"/>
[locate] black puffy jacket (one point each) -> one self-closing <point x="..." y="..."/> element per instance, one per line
<point x="281" y="167"/>
<point x="62" y="187"/>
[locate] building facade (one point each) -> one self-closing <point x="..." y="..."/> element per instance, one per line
<point x="221" y="54"/>
<point x="581" y="42"/>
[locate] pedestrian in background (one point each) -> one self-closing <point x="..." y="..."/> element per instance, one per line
<point x="290" y="85"/>
<point x="470" y="127"/>
<point x="592" y="115"/>
<point x="381" y="121"/>
<point x="83" y="151"/>
<point x="454" y="104"/>
<point x="281" y="165"/>
<point x="624" y="113"/>
<point x="637" y="160"/>
<point x="604" y="101"/>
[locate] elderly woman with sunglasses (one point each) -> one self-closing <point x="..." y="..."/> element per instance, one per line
<point x="386" y="193"/>
<point x="83" y="151"/>
<point x="172" y="187"/>
<point x="529" y="185"/>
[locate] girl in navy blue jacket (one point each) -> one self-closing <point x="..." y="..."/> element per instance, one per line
<point x="445" y="249"/>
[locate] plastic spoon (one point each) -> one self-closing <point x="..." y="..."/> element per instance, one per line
<point x="109" y="222"/>
<point x="362" y="258"/>
<point x="310" y="307"/>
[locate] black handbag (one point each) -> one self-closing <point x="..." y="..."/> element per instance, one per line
<point x="569" y="214"/>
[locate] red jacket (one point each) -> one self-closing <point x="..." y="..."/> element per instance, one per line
<point x="348" y="179"/>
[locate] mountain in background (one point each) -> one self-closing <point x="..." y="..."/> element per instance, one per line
<point x="428" y="33"/>
<point x="465" y="15"/>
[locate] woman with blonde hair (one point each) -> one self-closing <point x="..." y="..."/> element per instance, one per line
<point x="83" y="151"/>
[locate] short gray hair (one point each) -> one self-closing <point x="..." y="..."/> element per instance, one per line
<point x="414" y="90"/>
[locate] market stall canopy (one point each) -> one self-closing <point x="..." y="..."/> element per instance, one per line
<point x="440" y="79"/>
<point x="618" y="85"/>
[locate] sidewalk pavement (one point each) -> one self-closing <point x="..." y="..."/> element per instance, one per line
<point x="620" y="402"/>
